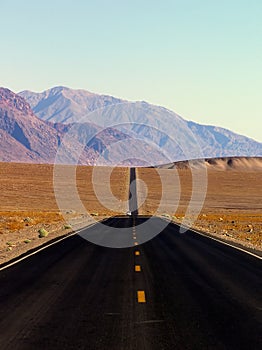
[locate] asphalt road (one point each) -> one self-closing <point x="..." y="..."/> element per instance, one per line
<point x="194" y="293"/>
<point x="133" y="193"/>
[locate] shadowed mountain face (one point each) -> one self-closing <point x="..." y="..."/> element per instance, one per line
<point x="24" y="137"/>
<point x="156" y="128"/>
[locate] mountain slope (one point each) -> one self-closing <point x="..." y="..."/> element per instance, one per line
<point x="12" y="150"/>
<point x="219" y="142"/>
<point x="154" y="126"/>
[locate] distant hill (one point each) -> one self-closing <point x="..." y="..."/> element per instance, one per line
<point x="224" y="164"/>
<point x="155" y="127"/>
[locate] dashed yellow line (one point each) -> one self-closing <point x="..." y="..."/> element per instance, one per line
<point x="135" y="243"/>
<point x="141" y="297"/>
<point x="137" y="252"/>
<point x="137" y="268"/>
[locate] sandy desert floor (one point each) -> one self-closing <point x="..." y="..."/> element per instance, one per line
<point x="232" y="208"/>
<point x="28" y="202"/>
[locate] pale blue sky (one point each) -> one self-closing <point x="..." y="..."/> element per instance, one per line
<point x="200" y="58"/>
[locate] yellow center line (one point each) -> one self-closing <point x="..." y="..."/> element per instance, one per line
<point x="141" y="297"/>
<point x="135" y="243"/>
<point x="137" y="252"/>
<point x="137" y="268"/>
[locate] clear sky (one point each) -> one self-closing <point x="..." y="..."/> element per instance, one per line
<point x="200" y="58"/>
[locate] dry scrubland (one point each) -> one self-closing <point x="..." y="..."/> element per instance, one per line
<point x="232" y="208"/>
<point x="28" y="203"/>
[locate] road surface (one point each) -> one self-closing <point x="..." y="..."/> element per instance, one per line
<point x="183" y="291"/>
<point x="133" y="193"/>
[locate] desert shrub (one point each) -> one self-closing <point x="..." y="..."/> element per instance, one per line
<point x="42" y="233"/>
<point x="66" y="227"/>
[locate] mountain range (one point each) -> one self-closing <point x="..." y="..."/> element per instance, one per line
<point x="76" y="126"/>
<point x="26" y="138"/>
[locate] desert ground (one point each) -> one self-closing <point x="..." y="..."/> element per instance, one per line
<point x="28" y="202"/>
<point x="40" y="203"/>
<point x="232" y="207"/>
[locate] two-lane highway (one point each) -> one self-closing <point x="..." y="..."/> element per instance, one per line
<point x="176" y="291"/>
<point x="199" y="294"/>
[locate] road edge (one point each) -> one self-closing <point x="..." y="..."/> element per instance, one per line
<point x="238" y="246"/>
<point x="43" y="246"/>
